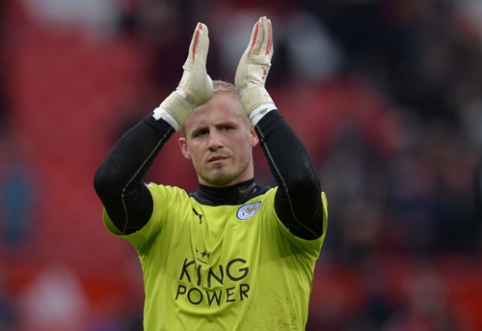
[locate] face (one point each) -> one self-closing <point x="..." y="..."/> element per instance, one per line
<point x="219" y="140"/>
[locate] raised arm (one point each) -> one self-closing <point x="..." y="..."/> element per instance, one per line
<point x="118" y="180"/>
<point x="298" y="201"/>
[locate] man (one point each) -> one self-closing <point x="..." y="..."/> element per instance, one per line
<point x="234" y="255"/>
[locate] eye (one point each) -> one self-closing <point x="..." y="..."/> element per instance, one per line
<point x="199" y="133"/>
<point x="227" y="128"/>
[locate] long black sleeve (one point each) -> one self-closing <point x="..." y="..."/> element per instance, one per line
<point x="118" y="180"/>
<point x="298" y="200"/>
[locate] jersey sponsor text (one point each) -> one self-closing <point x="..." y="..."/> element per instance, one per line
<point x="199" y="284"/>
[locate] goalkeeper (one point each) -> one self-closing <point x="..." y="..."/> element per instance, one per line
<point x="234" y="255"/>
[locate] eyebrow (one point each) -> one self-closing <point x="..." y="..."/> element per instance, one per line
<point x="196" y="130"/>
<point x="201" y="127"/>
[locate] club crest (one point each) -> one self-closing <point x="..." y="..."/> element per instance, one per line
<point x="247" y="211"/>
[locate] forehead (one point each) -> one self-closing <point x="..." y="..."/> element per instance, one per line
<point x="223" y="107"/>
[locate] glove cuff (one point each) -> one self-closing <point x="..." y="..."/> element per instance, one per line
<point x="161" y="113"/>
<point x="175" y="109"/>
<point x="256" y="102"/>
<point x="259" y="112"/>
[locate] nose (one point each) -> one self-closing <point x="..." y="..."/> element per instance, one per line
<point x="215" y="140"/>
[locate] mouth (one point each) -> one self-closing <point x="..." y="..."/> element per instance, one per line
<point x="217" y="159"/>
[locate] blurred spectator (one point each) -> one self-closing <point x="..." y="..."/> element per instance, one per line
<point x="91" y="17"/>
<point x="470" y="16"/>
<point x="452" y="160"/>
<point x="3" y="63"/>
<point x="312" y="53"/>
<point x="17" y="191"/>
<point x="8" y="313"/>
<point x="53" y="301"/>
<point x="125" y="314"/>
<point x="354" y="177"/>
<point x="471" y="118"/>
<point x="425" y="306"/>
<point x="412" y="228"/>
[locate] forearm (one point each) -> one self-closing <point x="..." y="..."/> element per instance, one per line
<point x="118" y="180"/>
<point x="298" y="200"/>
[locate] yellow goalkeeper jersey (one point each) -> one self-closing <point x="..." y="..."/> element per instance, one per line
<point x="229" y="267"/>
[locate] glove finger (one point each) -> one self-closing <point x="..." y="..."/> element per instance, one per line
<point x="266" y="37"/>
<point x="269" y="47"/>
<point x="202" y="47"/>
<point x="262" y="48"/>
<point x="199" y="44"/>
<point x="256" y="40"/>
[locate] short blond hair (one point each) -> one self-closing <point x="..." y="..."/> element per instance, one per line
<point x="223" y="86"/>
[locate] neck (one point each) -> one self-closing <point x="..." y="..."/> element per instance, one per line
<point x="231" y="195"/>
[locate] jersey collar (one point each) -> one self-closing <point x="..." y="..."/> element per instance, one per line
<point x="232" y="195"/>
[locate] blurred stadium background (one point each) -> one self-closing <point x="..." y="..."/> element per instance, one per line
<point x="386" y="95"/>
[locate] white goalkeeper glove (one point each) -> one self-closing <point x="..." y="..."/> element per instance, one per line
<point x="253" y="70"/>
<point x="195" y="87"/>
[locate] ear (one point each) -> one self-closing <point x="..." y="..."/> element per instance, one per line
<point x="253" y="137"/>
<point x="184" y="148"/>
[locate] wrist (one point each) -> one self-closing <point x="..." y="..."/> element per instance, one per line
<point x="256" y="102"/>
<point x="175" y="109"/>
<point x="161" y="113"/>
<point x="259" y="112"/>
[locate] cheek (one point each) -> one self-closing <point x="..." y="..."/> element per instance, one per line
<point x="196" y="163"/>
<point x="244" y="151"/>
<point x="192" y="152"/>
